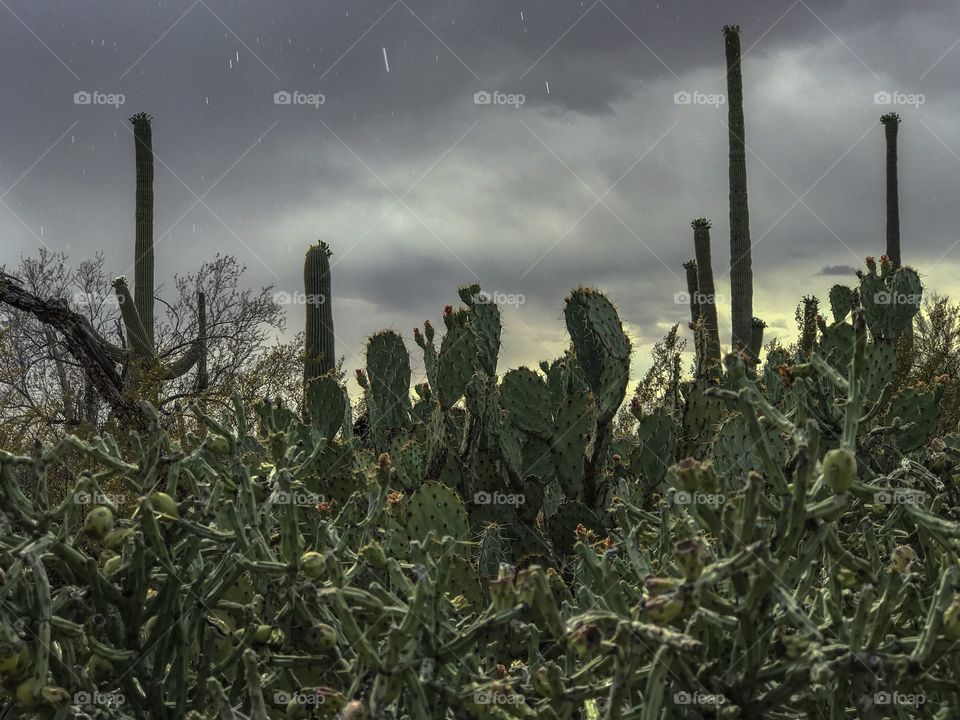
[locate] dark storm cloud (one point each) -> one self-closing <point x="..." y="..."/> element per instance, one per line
<point x="420" y="190"/>
<point x="831" y="270"/>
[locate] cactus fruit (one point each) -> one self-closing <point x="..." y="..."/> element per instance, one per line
<point x="99" y="522"/>
<point x="840" y="469"/>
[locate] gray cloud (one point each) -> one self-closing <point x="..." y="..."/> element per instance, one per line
<point x="831" y="270"/>
<point x="504" y="196"/>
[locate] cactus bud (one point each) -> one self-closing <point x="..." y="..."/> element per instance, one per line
<point x="218" y="445"/>
<point x="902" y="557"/>
<point x="660" y="585"/>
<point x="585" y="639"/>
<point x="373" y="555"/>
<point x="164" y="505"/>
<point x="14" y="658"/>
<point x="839" y="469"/>
<point x="418" y="338"/>
<point x="686" y="474"/>
<point x="313" y="565"/>
<point x="354" y="710"/>
<point x="112" y="565"/>
<point x="661" y="609"/>
<point x="321" y="637"/>
<point x="99" y="522"/>
<point x="689" y="555"/>
<point x="116" y="539"/>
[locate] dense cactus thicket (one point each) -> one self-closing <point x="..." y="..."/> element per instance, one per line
<point x="778" y="539"/>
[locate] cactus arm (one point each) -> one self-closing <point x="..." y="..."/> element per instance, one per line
<point x="693" y="291"/>
<point x="183" y="364"/>
<point x="706" y="293"/>
<point x="891" y="125"/>
<point x="140" y="344"/>
<point x="741" y="272"/>
<point x="143" y="250"/>
<point x="319" y="340"/>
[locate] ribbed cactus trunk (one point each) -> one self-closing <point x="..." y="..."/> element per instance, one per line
<point x="693" y="291"/>
<point x="706" y="292"/>
<point x="756" y="342"/>
<point x="143" y="251"/>
<point x="741" y="271"/>
<point x="891" y="124"/>
<point x="320" y="354"/>
<point x="808" y="326"/>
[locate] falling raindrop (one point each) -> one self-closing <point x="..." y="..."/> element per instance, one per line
<point x="385" y="61"/>
<point x="547" y="83"/>
<point x="207" y="99"/>
<point x="231" y="64"/>
<point x="72" y="139"/>
<point x="238" y="56"/>
<point x="41" y="231"/>
<point x="521" y="16"/>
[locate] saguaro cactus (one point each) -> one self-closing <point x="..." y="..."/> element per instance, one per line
<point x="891" y="124"/>
<point x="706" y="293"/>
<point x="143" y="250"/>
<point x="741" y="272"/>
<point x="693" y="291"/>
<point x="320" y="358"/>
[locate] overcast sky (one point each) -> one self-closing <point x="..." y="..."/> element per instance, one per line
<point x="589" y="174"/>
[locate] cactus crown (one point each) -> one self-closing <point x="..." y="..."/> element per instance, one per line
<point x="701" y="223"/>
<point x="890" y="118"/>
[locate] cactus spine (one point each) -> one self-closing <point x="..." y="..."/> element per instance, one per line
<point x="320" y="357"/>
<point x="741" y="272"/>
<point x="706" y="292"/>
<point x="143" y="250"/>
<point x="891" y="125"/>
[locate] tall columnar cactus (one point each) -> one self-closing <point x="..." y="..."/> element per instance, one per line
<point x="706" y="292"/>
<point x="741" y="271"/>
<point x="693" y="292"/>
<point x="143" y="249"/>
<point x="320" y="357"/>
<point x="891" y="124"/>
<point x="757" y="327"/>
<point x="808" y="325"/>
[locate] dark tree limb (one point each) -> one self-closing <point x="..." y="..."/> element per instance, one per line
<point x="83" y="343"/>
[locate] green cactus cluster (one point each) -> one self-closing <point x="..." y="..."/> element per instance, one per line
<point x="777" y="540"/>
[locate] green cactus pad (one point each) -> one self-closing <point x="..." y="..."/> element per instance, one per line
<point x="326" y="405"/>
<point x="573" y="431"/>
<point x="463" y="580"/>
<point x="920" y="408"/>
<point x="841" y="302"/>
<point x="657" y="447"/>
<point x="701" y="417"/>
<point x="335" y="476"/>
<point x="836" y="346"/>
<point x="881" y="367"/>
<point x="388" y="367"/>
<point x="527" y="398"/>
<point x="890" y="302"/>
<point x="735" y="451"/>
<point x="455" y="360"/>
<point x="436" y="507"/>
<point x="485" y="324"/>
